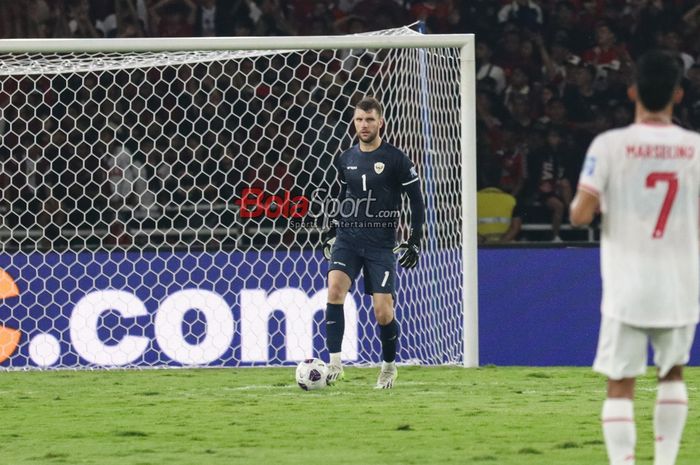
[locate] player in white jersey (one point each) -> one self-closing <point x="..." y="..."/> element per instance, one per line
<point x="645" y="180"/>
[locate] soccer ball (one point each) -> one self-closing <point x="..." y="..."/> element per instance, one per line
<point x="311" y="374"/>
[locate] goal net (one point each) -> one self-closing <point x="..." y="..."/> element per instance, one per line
<point x="151" y="203"/>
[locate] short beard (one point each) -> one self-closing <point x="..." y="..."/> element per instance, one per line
<point x="369" y="141"/>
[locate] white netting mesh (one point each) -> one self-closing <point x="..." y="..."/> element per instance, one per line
<point x="118" y="188"/>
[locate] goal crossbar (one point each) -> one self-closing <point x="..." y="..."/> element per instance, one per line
<point x="162" y="44"/>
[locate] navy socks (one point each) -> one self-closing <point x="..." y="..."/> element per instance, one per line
<point x="335" y="327"/>
<point x="389" y="335"/>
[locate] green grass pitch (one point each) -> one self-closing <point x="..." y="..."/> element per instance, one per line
<point x="448" y="415"/>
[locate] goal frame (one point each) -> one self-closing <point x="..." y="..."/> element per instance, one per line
<point x="464" y="42"/>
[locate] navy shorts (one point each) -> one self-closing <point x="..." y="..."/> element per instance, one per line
<point x="378" y="263"/>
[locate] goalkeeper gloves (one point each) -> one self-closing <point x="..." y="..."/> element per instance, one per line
<point x="328" y="241"/>
<point x="410" y="252"/>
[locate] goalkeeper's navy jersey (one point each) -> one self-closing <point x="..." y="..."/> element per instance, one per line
<point x="374" y="181"/>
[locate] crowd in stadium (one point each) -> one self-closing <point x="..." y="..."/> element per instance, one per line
<point x="551" y="75"/>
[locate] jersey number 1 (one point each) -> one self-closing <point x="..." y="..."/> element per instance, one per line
<point x="672" y="180"/>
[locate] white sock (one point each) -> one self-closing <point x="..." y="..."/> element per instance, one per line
<point x="619" y="430"/>
<point x="388" y="366"/>
<point x="335" y="359"/>
<point x="669" y="420"/>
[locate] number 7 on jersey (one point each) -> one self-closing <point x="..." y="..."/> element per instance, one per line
<point x="672" y="180"/>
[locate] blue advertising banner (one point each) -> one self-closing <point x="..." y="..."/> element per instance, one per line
<point x="195" y="309"/>
<point x="538" y="307"/>
<point x="154" y="309"/>
<point x="541" y="307"/>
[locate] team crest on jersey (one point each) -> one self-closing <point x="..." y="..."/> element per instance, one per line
<point x="378" y="167"/>
<point x="589" y="165"/>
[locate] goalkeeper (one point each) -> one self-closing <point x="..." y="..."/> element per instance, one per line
<point x="372" y="176"/>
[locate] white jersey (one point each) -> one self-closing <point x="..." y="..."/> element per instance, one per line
<point x="647" y="178"/>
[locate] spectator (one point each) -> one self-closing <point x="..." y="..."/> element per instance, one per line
<point x="670" y="40"/>
<point x="524" y="13"/>
<point x="607" y="52"/>
<point x="511" y="156"/>
<point x="224" y="175"/>
<point x="612" y="83"/>
<point x="566" y="27"/>
<point x="518" y="84"/>
<point x="553" y="188"/>
<point x="546" y="93"/>
<point x="273" y="20"/>
<point x="692" y="17"/>
<point x="173" y="18"/>
<point x="437" y="15"/>
<point x="487" y="109"/>
<point x="588" y="15"/>
<point x="40" y="19"/>
<point x="580" y="97"/>
<point x="76" y="22"/>
<point x="128" y="27"/>
<point x="229" y="13"/>
<point x="205" y="20"/>
<point x="554" y="114"/>
<point x="479" y="17"/>
<point x="622" y="115"/>
<point x="499" y="216"/>
<point x="554" y="60"/>
<point x="243" y="27"/>
<point x="486" y="68"/>
<point x="350" y="24"/>
<point x="509" y="49"/>
<point x="529" y="60"/>
<point x="104" y="17"/>
<point x="128" y="180"/>
<point x="520" y="109"/>
<point x="346" y="7"/>
<point x="653" y="16"/>
<point x="691" y="100"/>
<point x="132" y="18"/>
<point x="10" y="24"/>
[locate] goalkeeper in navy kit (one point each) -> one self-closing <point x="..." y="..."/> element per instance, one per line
<point x="372" y="174"/>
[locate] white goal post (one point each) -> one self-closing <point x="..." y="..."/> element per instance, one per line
<point x="125" y="163"/>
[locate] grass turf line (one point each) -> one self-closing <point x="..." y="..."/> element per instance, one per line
<point x="445" y="415"/>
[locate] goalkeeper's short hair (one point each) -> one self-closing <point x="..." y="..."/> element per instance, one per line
<point x="369" y="104"/>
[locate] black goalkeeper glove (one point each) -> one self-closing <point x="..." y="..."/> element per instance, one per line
<point x="410" y="252"/>
<point x="328" y="239"/>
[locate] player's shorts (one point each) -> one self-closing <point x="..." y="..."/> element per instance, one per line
<point x="622" y="349"/>
<point x="378" y="263"/>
